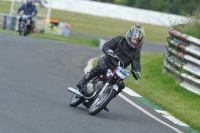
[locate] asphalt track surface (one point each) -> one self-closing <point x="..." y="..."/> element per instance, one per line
<point x="147" y="46"/>
<point x="34" y="76"/>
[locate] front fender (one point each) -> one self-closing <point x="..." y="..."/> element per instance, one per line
<point x="115" y="87"/>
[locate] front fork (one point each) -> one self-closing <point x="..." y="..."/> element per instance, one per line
<point x="115" y="87"/>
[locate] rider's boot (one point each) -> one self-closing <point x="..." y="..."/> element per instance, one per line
<point x="84" y="80"/>
<point x="106" y="109"/>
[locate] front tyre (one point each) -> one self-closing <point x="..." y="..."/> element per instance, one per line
<point x="101" y="102"/>
<point x="75" y="100"/>
<point x="23" y="30"/>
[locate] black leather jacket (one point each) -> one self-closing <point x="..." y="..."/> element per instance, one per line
<point x="127" y="54"/>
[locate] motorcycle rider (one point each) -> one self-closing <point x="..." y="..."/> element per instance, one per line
<point x="29" y="9"/>
<point x="124" y="48"/>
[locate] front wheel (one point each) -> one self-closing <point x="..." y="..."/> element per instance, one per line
<point x="22" y="29"/>
<point x="75" y="100"/>
<point x="101" y="102"/>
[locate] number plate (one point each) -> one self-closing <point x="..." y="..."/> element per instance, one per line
<point x="122" y="73"/>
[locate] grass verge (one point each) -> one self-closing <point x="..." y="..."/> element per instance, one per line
<point x="75" y="40"/>
<point x="161" y="89"/>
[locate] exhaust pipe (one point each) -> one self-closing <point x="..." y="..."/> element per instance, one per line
<point x="78" y="93"/>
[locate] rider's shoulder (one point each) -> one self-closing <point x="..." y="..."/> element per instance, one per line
<point x="118" y="38"/>
<point x="24" y="5"/>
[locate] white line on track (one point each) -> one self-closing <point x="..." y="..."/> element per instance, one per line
<point x="149" y="114"/>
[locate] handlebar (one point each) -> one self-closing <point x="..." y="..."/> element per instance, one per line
<point x="120" y="63"/>
<point x="114" y="56"/>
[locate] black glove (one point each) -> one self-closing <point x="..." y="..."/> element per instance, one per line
<point x="34" y="14"/>
<point x="136" y="75"/>
<point x="111" y="53"/>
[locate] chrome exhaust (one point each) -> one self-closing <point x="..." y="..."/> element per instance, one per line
<point x="78" y="93"/>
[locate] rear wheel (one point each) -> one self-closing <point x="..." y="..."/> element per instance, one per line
<point x="101" y="102"/>
<point x="75" y="100"/>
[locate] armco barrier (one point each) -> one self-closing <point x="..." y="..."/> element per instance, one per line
<point x="182" y="59"/>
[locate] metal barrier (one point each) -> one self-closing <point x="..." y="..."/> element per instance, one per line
<point x="182" y="59"/>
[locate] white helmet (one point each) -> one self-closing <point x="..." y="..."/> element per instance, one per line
<point x="134" y="33"/>
<point x="138" y="25"/>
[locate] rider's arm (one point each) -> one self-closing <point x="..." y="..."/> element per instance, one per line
<point x="112" y="44"/>
<point x="21" y="8"/>
<point x="109" y="46"/>
<point x="136" y="68"/>
<point x="34" y="10"/>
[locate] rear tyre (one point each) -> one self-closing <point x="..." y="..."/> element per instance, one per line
<point x="75" y="100"/>
<point x="101" y="102"/>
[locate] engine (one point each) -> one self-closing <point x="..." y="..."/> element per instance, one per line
<point x="99" y="85"/>
<point x="91" y="88"/>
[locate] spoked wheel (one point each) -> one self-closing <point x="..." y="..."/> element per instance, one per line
<point x="101" y="102"/>
<point x="75" y="100"/>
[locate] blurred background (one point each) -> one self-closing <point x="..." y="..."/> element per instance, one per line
<point x="101" y="17"/>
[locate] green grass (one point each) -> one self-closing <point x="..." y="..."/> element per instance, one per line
<point x="9" y="32"/>
<point x="89" y="24"/>
<point x="162" y="90"/>
<point x="109" y="27"/>
<point x="75" y="40"/>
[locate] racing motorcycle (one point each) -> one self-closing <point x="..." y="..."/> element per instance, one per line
<point x="99" y="91"/>
<point x="23" y="25"/>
